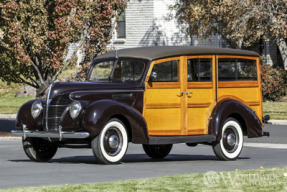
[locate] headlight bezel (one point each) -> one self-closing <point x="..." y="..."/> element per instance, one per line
<point x="75" y="109"/>
<point x="36" y="109"/>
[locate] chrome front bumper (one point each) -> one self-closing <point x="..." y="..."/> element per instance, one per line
<point x="44" y="134"/>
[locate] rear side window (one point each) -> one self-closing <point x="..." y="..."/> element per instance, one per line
<point x="165" y="72"/>
<point x="236" y="69"/>
<point x="246" y="69"/>
<point x="199" y="70"/>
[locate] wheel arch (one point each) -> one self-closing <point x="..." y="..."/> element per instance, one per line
<point x="241" y="121"/>
<point x="126" y="122"/>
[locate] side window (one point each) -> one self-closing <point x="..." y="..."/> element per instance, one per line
<point x="199" y="70"/>
<point x="246" y="69"/>
<point x="226" y="69"/>
<point x="128" y="70"/>
<point x="236" y="69"/>
<point x="165" y="72"/>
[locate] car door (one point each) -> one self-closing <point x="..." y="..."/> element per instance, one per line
<point x="164" y="97"/>
<point x="200" y="93"/>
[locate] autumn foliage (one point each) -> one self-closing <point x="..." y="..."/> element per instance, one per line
<point x="243" y="22"/>
<point x="36" y="35"/>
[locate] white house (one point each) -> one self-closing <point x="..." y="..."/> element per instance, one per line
<point x="146" y="23"/>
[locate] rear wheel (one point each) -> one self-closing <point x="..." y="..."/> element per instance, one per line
<point x="157" y="151"/>
<point x="231" y="143"/>
<point x="38" y="149"/>
<point x="110" y="146"/>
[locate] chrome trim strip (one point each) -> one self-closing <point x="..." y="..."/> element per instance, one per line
<point x="58" y="105"/>
<point x="47" y="105"/>
<point x="44" y="134"/>
<point x="109" y="91"/>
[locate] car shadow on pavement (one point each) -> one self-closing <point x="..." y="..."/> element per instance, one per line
<point x="132" y="158"/>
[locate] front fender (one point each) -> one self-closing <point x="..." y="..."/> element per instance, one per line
<point x="98" y="113"/>
<point x="24" y="116"/>
<point x="225" y="109"/>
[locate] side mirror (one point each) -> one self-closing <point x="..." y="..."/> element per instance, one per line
<point x="152" y="77"/>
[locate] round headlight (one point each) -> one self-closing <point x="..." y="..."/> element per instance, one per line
<point x="36" y="109"/>
<point x="75" y="109"/>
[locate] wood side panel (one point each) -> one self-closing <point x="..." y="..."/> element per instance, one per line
<point x="260" y="110"/>
<point x="196" y="131"/>
<point x="244" y="93"/>
<point x="163" y="108"/>
<point x="237" y="84"/>
<point x="253" y="103"/>
<point x="163" y="85"/>
<point x="165" y="132"/>
<point x="198" y="105"/>
<point x="199" y="85"/>
<point x="162" y="105"/>
<point x="183" y="79"/>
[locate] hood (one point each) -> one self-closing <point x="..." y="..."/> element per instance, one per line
<point x="62" y="88"/>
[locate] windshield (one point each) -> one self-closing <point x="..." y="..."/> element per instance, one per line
<point x="117" y="71"/>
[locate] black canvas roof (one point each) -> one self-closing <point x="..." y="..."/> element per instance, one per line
<point x="158" y="52"/>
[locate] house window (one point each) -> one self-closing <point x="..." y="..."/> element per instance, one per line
<point x="121" y="24"/>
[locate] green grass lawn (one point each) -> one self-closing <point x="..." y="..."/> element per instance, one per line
<point x="258" y="180"/>
<point x="9" y="104"/>
<point x="276" y="110"/>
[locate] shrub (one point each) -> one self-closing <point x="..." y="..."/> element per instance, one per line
<point x="273" y="82"/>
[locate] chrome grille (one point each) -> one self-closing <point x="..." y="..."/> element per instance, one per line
<point x="56" y="107"/>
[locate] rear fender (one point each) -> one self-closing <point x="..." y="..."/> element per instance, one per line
<point x="231" y="108"/>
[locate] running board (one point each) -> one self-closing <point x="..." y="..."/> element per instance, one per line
<point x="159" y="140"/>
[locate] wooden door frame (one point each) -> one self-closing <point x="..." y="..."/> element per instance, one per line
<point x="166" y="85"/>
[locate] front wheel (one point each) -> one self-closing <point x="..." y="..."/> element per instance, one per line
<point x="38" y="149"/>
<point x="231" y="143"/>
<point x="110" y="146"/>
<point x="157" y="151"/>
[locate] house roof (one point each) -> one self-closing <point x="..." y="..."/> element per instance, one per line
<point x="158" y="52"/>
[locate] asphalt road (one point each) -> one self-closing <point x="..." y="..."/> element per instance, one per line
<point x="71" y="166"/>
<point x="6" y="125"/>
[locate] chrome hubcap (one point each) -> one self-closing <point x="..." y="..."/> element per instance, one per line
<point x="113" y="141"/>
<point x="231" y="139"/>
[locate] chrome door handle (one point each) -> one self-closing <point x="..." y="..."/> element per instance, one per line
<point x="180" y="94"/>
<point x="187" y="93"/>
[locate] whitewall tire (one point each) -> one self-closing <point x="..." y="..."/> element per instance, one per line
<point x="230" y="145"/>
<point x="110" y="146"/>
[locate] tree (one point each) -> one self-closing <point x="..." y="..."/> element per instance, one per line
<point x="241" y="21"/>
<point x="37" y="33"/>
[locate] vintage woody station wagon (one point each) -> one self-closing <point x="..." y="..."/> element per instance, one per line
<point x="154" y="96"/>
